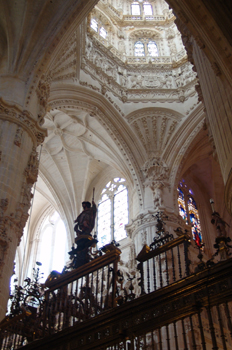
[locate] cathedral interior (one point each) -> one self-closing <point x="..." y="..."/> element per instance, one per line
<point x="127" y="103"/>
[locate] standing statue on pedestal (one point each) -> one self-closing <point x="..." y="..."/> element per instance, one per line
<point x="84" y="225"/>
<point x="86" y="220"/>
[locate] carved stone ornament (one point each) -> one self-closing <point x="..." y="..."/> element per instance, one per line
<point x="43" y="92"/>
<point x="3" y="206"/>
<point x="155" y="169"/>
<point x="149" y="219"/>
<point x="18" y="137"/>
<point x="24" y="120"/>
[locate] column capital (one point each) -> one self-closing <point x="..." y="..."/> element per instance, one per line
<point x="23" y="119"/>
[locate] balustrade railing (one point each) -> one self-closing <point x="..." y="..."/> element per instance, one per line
<point x="81" y="294"/>
<point x="70" y="299"/>
<point x="176" y="309"/>
<point x="164" y="262"/>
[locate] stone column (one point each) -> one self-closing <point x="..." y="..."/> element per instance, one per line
<point x="216" y="94"/>
<point x="20" y="135"/>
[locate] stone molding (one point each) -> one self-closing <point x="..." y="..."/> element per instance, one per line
<point x="143" y="221"/>
<point x="23" y="119"/>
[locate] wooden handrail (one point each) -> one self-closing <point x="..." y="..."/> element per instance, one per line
<point x="84" y="270"/>
<point x="146" y="253"/>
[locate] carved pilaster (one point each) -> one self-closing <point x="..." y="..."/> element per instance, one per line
<point x="156" y="177"/>
<point x="20" y="135"/>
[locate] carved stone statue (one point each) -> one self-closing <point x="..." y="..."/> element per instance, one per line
<point x="86" y="220"/>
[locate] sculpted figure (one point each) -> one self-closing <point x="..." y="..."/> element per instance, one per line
<point x="86" y="220"/>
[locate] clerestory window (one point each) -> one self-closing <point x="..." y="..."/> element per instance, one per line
<point x="98" y="28"/>
<point x="141" y="7"/>
<point x="189" y="212"/>
<point x="145" y="48"/>
<point x="113" y="212"/>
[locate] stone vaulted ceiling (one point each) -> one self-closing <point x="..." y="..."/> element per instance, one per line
<point x="110" y="111"/>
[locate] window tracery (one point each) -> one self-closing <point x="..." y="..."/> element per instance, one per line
<point x="98" y="28"/>
<point x="112" y="212"/>
<point x="189" y="212"/>
<point x="135" y="9"/>
<point x="94" y="24"/>
<point x="139" y="49"/>
<point x="52" y="245"/>
<point x="141" y="7"/>
<point x="146" y="47"/>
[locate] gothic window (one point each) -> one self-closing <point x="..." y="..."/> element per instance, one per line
<point x="52" y="245"/>
<point x="181" y="204"/>
<point x="147" y="9"/>
<point x="94" y="24"/>
<point x="139" y="49"/>
<point x="189" y="212"/>
<point x="103" y="32"/>
<point x="135" y="9"/>
<point x="145" y="47"/>
<point x="98" y="28"/>
<point x="139" y="7"/>
<point x="152" y="49"/>
<point x="112" y="212"/>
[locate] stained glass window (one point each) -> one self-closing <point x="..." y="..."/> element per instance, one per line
<point x="139" y="49"/>
<point x="152" y="49"/>
<point x="135" y="9"/>
<point x="147" y="8"/>
<point x="181" y="204"/>
<point x="194" y="220"/>
<point x="103" y="32"/>
<point x="112" y="212"/>
<point x="94" y="24"/>
<point x="189" y="212"/>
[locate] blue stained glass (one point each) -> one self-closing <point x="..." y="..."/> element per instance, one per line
<point x="195" y="221"/>
<point x="181" y="204"/>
